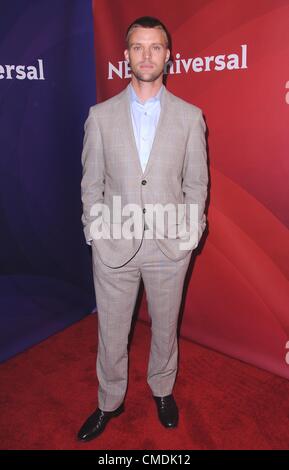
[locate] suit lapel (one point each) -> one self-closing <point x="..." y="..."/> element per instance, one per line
<point x="158" y="134"/>
<point x="128" y="130"/>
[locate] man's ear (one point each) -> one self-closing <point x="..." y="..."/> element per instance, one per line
<point x="126" y="55"/>
<point x="168" y="55"/>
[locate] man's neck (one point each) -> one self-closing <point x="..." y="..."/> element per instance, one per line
<point x="146" y="90"/>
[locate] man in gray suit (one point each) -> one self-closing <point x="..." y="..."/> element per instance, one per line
<point x="144" y="153"/>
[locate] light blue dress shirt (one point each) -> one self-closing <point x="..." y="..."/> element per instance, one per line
<point x="144" y="119"/>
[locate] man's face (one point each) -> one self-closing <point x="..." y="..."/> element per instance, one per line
<point x="147" y="53"/>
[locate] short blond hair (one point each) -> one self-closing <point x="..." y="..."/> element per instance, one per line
<point x="148" y="22"/>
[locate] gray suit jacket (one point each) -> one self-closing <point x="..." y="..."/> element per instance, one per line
<point x="176" y="173"/>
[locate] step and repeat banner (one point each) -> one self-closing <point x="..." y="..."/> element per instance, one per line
<point x="231" y="60"/>
<point x="47" y="83"/>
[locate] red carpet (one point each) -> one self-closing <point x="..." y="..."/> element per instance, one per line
<point x="48" y="391"/>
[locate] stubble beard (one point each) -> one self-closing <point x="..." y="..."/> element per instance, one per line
<point x="146" y="76"/>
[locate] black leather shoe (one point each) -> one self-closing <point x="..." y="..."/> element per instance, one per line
<point x="96" y="423"/>
<point x="167" y="411"/>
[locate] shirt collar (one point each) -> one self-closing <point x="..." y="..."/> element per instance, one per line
<point x="134" y="97"/>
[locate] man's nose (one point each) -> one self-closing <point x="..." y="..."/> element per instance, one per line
<point x="147" y="53"/>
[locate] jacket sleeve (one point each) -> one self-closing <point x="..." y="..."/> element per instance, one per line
<point x="195" y="177"/>
<point x="93" y="179"/>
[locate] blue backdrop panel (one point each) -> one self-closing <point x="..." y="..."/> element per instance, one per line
<point x="46" y="279"/>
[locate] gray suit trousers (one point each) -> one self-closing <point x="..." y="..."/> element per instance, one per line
<point x="116" y="291"/>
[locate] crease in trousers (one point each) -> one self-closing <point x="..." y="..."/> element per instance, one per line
<point x="116" y="291"/>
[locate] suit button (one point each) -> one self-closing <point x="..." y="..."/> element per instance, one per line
<point x="144" y="182"/>
<point x="144" y="211"/>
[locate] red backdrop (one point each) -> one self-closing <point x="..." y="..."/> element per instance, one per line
<point x="238" y="297"/>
